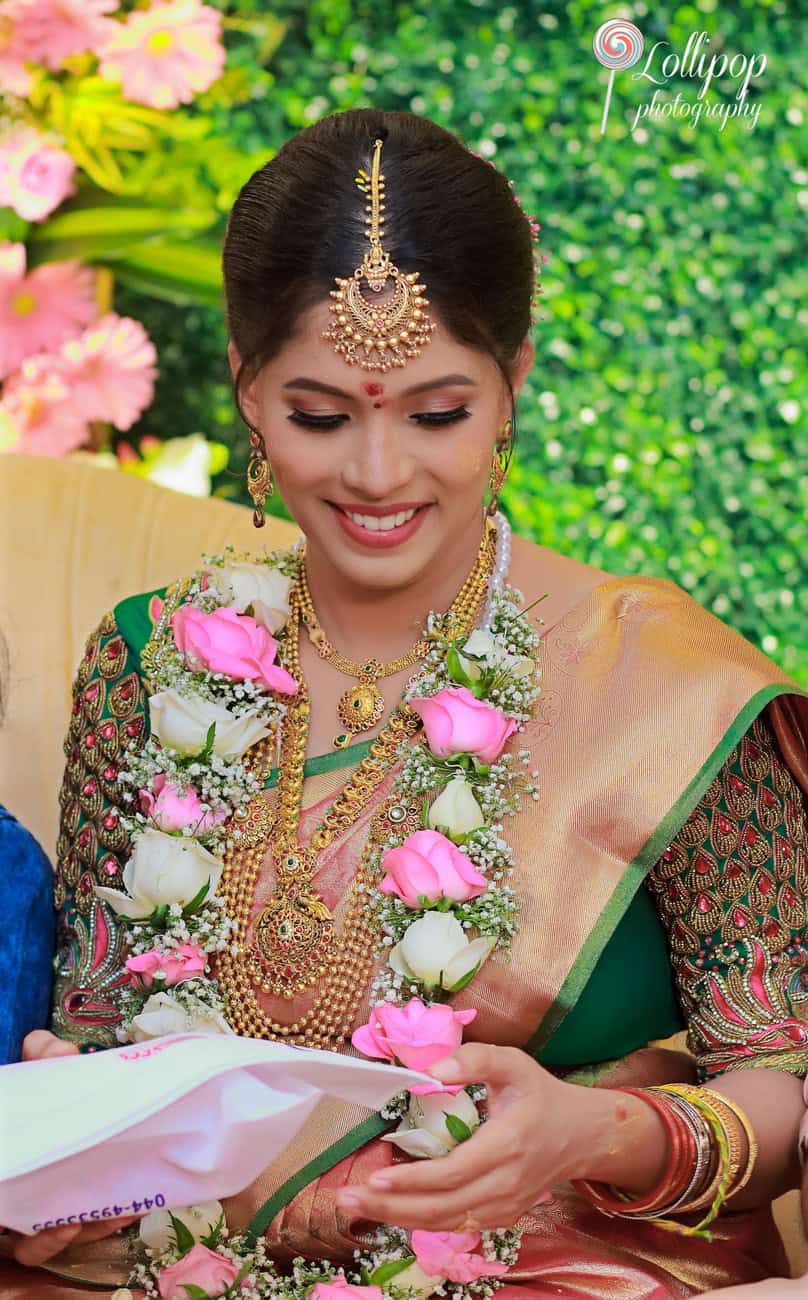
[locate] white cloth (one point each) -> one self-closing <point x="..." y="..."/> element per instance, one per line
<point x="173" y="1121"/>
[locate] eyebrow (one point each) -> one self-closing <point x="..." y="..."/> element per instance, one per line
<point x="315" y="386"/>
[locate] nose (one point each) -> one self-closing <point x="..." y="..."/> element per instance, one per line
<point x="378" y="464"/>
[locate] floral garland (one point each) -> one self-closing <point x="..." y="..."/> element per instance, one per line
<point x="218" y="688"/>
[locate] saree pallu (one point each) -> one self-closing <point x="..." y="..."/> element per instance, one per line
<point x="644" y="697"/>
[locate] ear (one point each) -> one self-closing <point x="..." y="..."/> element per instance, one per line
<point x="523" y="363"/>
<point x="248" y="400"/>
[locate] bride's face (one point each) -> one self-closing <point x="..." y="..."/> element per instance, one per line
<point x="384" y="473"/>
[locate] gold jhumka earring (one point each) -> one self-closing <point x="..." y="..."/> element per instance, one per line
<point x="259" y="477"/>
<point x="499" y="467"/>
<point x="378" y="336"/>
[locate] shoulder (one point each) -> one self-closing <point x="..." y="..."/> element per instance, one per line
<point x="558" y="581"/>
<point x="20" y="850"/>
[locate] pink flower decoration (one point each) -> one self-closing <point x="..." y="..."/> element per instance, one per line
<point x="428" y="865"/>
<point x="172" y="811"/>
<point x="37" y="406"/>
<point x="48" y="32"/>
<point x="15" y="79"/>
<point x="165" y="55"/>
<point x="233" y="644"/>
<point x="414" y="1034"/>
<point x="456" y="722"/>
<point x="448" y="1254"/>
<point x="200" y="1267"/>
<point x="38" y="311"/>
<point x="175" y="965"/>
<point x="111" y="369"/>
<point x="35" y="175"/>
<point x="340" y="1289"/>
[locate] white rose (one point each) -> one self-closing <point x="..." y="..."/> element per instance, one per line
<point x="455" y="809"/>
<point x="436" y="951"/>
<point x="157" y="1233"/>
<point x="182" y="722"/>
<point x="485" y="645"/>
<point x="162" y="1014"/>
<point x="423" y="1132"/>
<point x="413" y="1278"/>
<point x="162" y="869"/>
<point x="260" y="585"/>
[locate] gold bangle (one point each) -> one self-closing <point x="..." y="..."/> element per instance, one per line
<point x="714" y="1195"/>
<point x="751" y="1141"/>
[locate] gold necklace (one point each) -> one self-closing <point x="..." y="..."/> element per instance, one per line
<point x="293" y="944"/>
<point x="362" y="705"/>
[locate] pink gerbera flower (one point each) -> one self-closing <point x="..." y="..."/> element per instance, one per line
<point x="164" y="55"/>
<point x="40" y="310"/>
<point x="110" y="370"/>
<point x="37" y="403"/>
<point x="50" y="31"/>
<point x="15" y="79"/>
<point x="35" y="174"/>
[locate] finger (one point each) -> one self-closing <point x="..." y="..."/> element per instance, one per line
<point x="483" y="1201"/>
<point x="483" y="1063"/>
<point x="95" y="1231"/>
<point x="44" y="1245"/>
<point x="41" y="1044"/>
<point x="492" y="1146"/>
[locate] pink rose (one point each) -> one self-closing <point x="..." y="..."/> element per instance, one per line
<point x="171" y="811"/>
<point x="340" y="1289"/>
<point x="35" y="176"/>
<point x="233" y="644"/>
<point x="428" y="865"/>
<point x="175" y="965"/>
<point x="200" y="1267"/>
<point x="456" y="722"/>
<point x="449" y="1255"/>
<point x="415" y="1035"/>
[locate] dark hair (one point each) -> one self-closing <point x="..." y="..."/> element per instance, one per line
<point x="299" y="221"/>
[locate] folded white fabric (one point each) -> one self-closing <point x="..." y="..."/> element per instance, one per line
<point x="177" y="1120"/>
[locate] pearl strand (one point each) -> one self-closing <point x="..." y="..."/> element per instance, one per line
<point x="502" y="563"/>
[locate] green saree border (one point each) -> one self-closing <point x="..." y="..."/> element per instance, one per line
<point x="650" y="853"/>
<point x="344" y="1146"/>
<point x="329" y="762"/>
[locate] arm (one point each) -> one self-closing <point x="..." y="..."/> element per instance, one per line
<point x="108" y="714"/>
<point x="743" y="1028"/>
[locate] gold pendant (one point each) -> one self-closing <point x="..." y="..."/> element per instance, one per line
<point x="294" y="932"/>
<point x="361" y="706"/>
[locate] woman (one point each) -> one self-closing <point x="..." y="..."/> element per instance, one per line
<point x="657" y="866"/>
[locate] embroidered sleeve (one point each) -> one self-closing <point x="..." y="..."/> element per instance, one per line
<point x="731" y="890"/>
<point x="108" y="715"/>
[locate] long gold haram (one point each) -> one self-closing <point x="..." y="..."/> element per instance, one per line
<point x="344" y="974"/>
<point x="361" y="706"/>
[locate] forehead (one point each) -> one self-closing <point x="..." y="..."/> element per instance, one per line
<point x="307" y="354"/>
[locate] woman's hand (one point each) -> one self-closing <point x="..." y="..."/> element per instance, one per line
<point x="540" y="1132"/>
<point x="41" y="1045"/>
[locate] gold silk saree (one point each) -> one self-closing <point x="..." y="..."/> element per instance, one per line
<point x="655" y="727"/>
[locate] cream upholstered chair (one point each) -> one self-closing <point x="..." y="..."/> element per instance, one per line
<point x="75" y="538"/>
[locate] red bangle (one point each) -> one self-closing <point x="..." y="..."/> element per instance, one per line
<point x="678" y="1168"/>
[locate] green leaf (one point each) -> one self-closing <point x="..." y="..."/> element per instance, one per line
<point x="158" y="916"/>
<point x="176" y="271"/>
<point x="211" y="1239"/>
<point x="195" y="1292"/>
<point x="466" y="979"/>
<point x="207" y="749"/>
<point x="456" y="670"/>
<point x="108" y="230"/>
<point x="390" y="1268"/>
<point x="457" y="1127"/>
<point x="197" y="900"/>
<point x="184" y="1237"/>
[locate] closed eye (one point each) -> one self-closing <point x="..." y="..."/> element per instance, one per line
<point x="430" y="418"/>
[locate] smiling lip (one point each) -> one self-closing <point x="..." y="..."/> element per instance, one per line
<point x="377" y="539"/>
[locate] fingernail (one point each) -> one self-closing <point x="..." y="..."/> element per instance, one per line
<point x="444" y="1071"/>
<point x="381" y="1179"/>
<point x="349" y="1202"/>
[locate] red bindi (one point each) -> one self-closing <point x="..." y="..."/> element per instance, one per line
<point x="374" y="390"/>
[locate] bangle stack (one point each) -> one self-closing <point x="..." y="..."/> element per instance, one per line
<point x="711" y="1155"/>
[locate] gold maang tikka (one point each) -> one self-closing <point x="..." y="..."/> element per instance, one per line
<point x="378" y="336"/>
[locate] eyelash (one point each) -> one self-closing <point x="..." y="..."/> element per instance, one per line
<point x="432" y="419"/>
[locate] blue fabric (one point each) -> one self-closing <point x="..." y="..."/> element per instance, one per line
<point x="27" y="936"/>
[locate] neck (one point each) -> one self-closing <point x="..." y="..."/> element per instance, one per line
<point x="385" y="621"/>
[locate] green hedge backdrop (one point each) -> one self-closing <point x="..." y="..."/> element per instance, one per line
<point x="662" y="429"/>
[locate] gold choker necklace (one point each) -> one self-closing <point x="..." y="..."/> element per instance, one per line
<point x="362" y="705"/>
